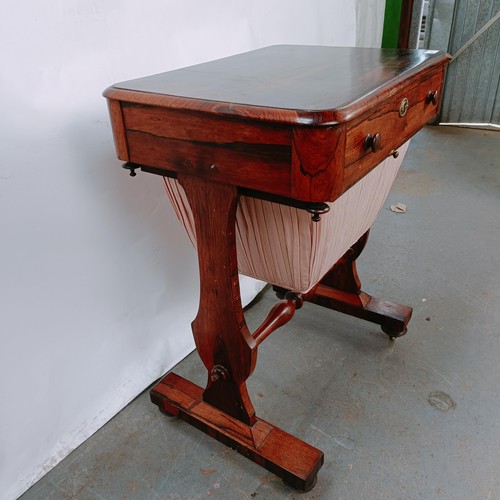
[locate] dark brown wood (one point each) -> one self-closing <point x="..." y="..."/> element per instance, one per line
<point x="405" y="24"/>
<point x="234" y="165"/>
<point x="432" y="97"/>
<point x="392" y="317"/>
<point x="344" y="275"/>
<point x="300" y="137"/>
<point x="286" y="123"/>
<point x="219" y="329"/>
<point x="392" y="128"/>
<point x="118" y="127"/>
<point x="340" y="290"/>
<point x="296" y="462"/>
<point x="317" y="154"/>
<point x="280" y="314"/>
<point x="373" y="142"/>
<point x="290" y="84"/>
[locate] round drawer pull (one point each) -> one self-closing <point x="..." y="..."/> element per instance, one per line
<point x="373" y="142"/>
<point x="432" y="97"/>
<point x="403" y="107"/>
<point x="394" y="153"/>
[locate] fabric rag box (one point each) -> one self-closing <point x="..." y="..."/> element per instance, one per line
<point x="281" y="245"/>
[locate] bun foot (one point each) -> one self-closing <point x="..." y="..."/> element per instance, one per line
<point x="304" y="487"/>
<point x="394" y="334"/>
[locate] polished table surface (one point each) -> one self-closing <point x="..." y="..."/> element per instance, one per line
<point x="303" y="84"/>
<point x="294" y="121"/>
<point x="291" y="124"/>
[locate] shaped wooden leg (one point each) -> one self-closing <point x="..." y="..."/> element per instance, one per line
<point x="223" y="409"/>
<point x="224" y="343"/>
<point x="340" y="290"/>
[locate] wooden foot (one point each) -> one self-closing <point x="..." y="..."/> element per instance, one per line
<point x="296" y="462"/>
<point x="393" y="318"/>
<point x="223" y="410"/>
<point x="340" y="290"/>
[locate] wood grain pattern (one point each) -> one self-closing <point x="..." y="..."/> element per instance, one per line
<point x="317" y="163"/>
<point x="220" y="333"/>
<point x="284" y="83"/>
<point x="296" y="462"/>
<point x="238" y="152"/>
<point x="394" y="129"/>
<point x="262" y="167"/>
<point x="246" y="144"/>
<point x="340" y="290"/>
<point x="287" y="122"/>
<point x="405" y="24"/>
<point x="118" y="127"/>
<point x="199" y="127"/>
<point x="280" y="314"/>
<point x="392" y="317"/>
<point x="386" y="120"/>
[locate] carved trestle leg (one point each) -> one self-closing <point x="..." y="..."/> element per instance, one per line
<point x="223" y="409"/>
<point x="340" y="290"/>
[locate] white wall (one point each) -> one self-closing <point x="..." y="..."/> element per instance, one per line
<point x="98" y="281"/>
<point x="369" y="22"/>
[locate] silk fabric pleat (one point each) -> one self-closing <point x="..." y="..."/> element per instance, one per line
<point x="282" y="245"/>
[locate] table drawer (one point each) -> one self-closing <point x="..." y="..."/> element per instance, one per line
<point x="240" y="152"/>
<point x="394" y="122"/>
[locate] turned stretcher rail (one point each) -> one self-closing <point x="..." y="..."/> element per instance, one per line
<point x="281" y="313"/>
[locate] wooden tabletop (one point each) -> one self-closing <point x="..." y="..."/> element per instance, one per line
<point x="284" y="83"/>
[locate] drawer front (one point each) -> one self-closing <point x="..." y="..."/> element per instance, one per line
<point x="394" y="122"/>
<point x="251" y="155"/>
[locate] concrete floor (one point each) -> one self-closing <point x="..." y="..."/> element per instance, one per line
<point x="415" y="419"/>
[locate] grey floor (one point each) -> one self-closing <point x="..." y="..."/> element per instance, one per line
<point x="415" y="419"/>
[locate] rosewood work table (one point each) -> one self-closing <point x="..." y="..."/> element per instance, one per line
<point x="277" y="161"/>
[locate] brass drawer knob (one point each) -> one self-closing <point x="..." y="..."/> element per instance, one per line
<point x="373" y="142"/>
<point x="431" y="97"/>
<point x="394" y="153"/>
